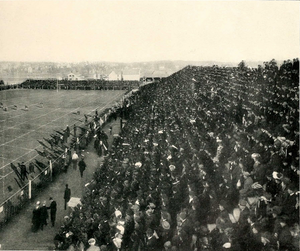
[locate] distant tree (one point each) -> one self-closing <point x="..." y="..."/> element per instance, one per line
<point x="1" y="82"/>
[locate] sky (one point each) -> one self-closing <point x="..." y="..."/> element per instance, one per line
<point x="139" y="31"/>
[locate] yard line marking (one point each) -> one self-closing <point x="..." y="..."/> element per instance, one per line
<point x="55" y="97"/>
<point x="7" y="142"/>
<point x="30" y="149"/>
<point x="45" y="114"/>
<point x="14" y="161"/>
<point x="45" y="125"/>
<point x="20" y="115"/>
<point x="19" y="104"/>
<point x="20" y="158"/>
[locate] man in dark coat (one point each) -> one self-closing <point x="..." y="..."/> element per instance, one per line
<point x="68" y="131"/>
<point x="82" y="166"/>
<point x="36" y="217"/>
<point x="151" y="241"/>
<point x="67" y="195"/>
<point x="44" y="215"/>
<point x="23" y="171"/>
<point x="53" y="208"/>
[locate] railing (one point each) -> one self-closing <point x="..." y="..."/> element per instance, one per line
<point x="14" y="203"/>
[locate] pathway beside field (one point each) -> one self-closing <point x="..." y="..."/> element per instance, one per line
<point x="17" y="234"/>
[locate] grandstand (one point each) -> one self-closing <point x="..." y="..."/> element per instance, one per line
<point x="208" y="160"/>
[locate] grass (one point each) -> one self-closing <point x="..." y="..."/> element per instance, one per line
<point x="48" y="110"/>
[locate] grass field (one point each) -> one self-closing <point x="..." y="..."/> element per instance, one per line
<point x="20" y="129"/>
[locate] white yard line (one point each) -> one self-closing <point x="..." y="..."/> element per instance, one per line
<point x="102" y="108"/>
<point x="45" y="114"/>
<point x="20" y="158"/>
<point x="27" y="149"/>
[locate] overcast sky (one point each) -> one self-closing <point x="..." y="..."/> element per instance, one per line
<point x="127" y="31"/>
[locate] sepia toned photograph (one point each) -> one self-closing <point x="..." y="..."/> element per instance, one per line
<point x="152" y="125"/>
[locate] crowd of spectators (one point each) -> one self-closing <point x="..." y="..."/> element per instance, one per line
<point x="7" y="87"/>
<point x="79" y="84"/>
<point x="207" y="160"/>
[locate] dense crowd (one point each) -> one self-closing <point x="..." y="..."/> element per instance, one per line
<point x="7" y="87"/>
<point x="79" y="84"/>
<point x="208" y="160"/>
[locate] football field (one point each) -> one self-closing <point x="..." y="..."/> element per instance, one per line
<point x="32" y="115"/>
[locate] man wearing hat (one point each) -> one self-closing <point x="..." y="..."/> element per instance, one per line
<point x="44" y="215"/>
<point x="82" y="166"/>
<point x="151" y="241"/>
<point x="53" y="208"/>
<point x="165" y="228"/>
<point x="36" y="215"/>
<point x="244" y="211"/>
<point x="67" y="195"/>
<point x="167" y="245"/>
<point x="93" y="246"/>
<point x="75" y="160"/>
<point x="282" y="232"/>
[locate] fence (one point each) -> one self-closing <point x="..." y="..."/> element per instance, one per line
<point x="14" y="203"/>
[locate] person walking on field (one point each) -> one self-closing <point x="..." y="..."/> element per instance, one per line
<point x="36" y="215"/>
<point x="68" y="131"/>
<point x="23" y="171"/>
<point x="67" y="195"/>
<point x="44" y="215"/>
<point x="53" y="208"/>
<point x="82" y="166"/>
<point x="75" y="160"/>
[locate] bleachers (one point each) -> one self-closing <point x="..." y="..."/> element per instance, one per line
<point x="208" y="160"/>
<point x="79" y="84"/>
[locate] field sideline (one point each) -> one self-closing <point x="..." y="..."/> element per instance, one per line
<point x="48" y="110"/>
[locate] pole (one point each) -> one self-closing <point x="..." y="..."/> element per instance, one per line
<point x="50" y="167"/>
<point x="56" y="85"/>
<point x="3" y="185"/>
<point x="29" y="189"/>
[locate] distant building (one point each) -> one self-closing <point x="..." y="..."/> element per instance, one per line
<point x="114" y="76"/>
<point x="132" y="74"/>
<point x="155" y="76"/>
<point x="73" y="76"/>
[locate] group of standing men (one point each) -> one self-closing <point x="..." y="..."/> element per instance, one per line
<point x="40" y="215"/>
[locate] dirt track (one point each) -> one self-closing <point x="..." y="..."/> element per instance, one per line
<point x="17" y="234"/>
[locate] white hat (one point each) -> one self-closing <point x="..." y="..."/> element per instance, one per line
<point x="121" y="229"/>
<point x="117" y="242"/>
<point x="172" y="168"/>
<point x="92" y="241"/>
<point x="277" y="175"/>
<point x="118" y="213"/>
<point x="255" y="155"/>
<point x="138" y="164"/>
<point x="227" y="245"/>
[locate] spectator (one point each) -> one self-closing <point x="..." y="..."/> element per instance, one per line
<point x="36" y="218"/>
<point x="43" y="215"/>
<point x="82" y="166"/>
<point x="67" y="195"/>
<point x="75" y="160"/>
<point x="53" y="209"/>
